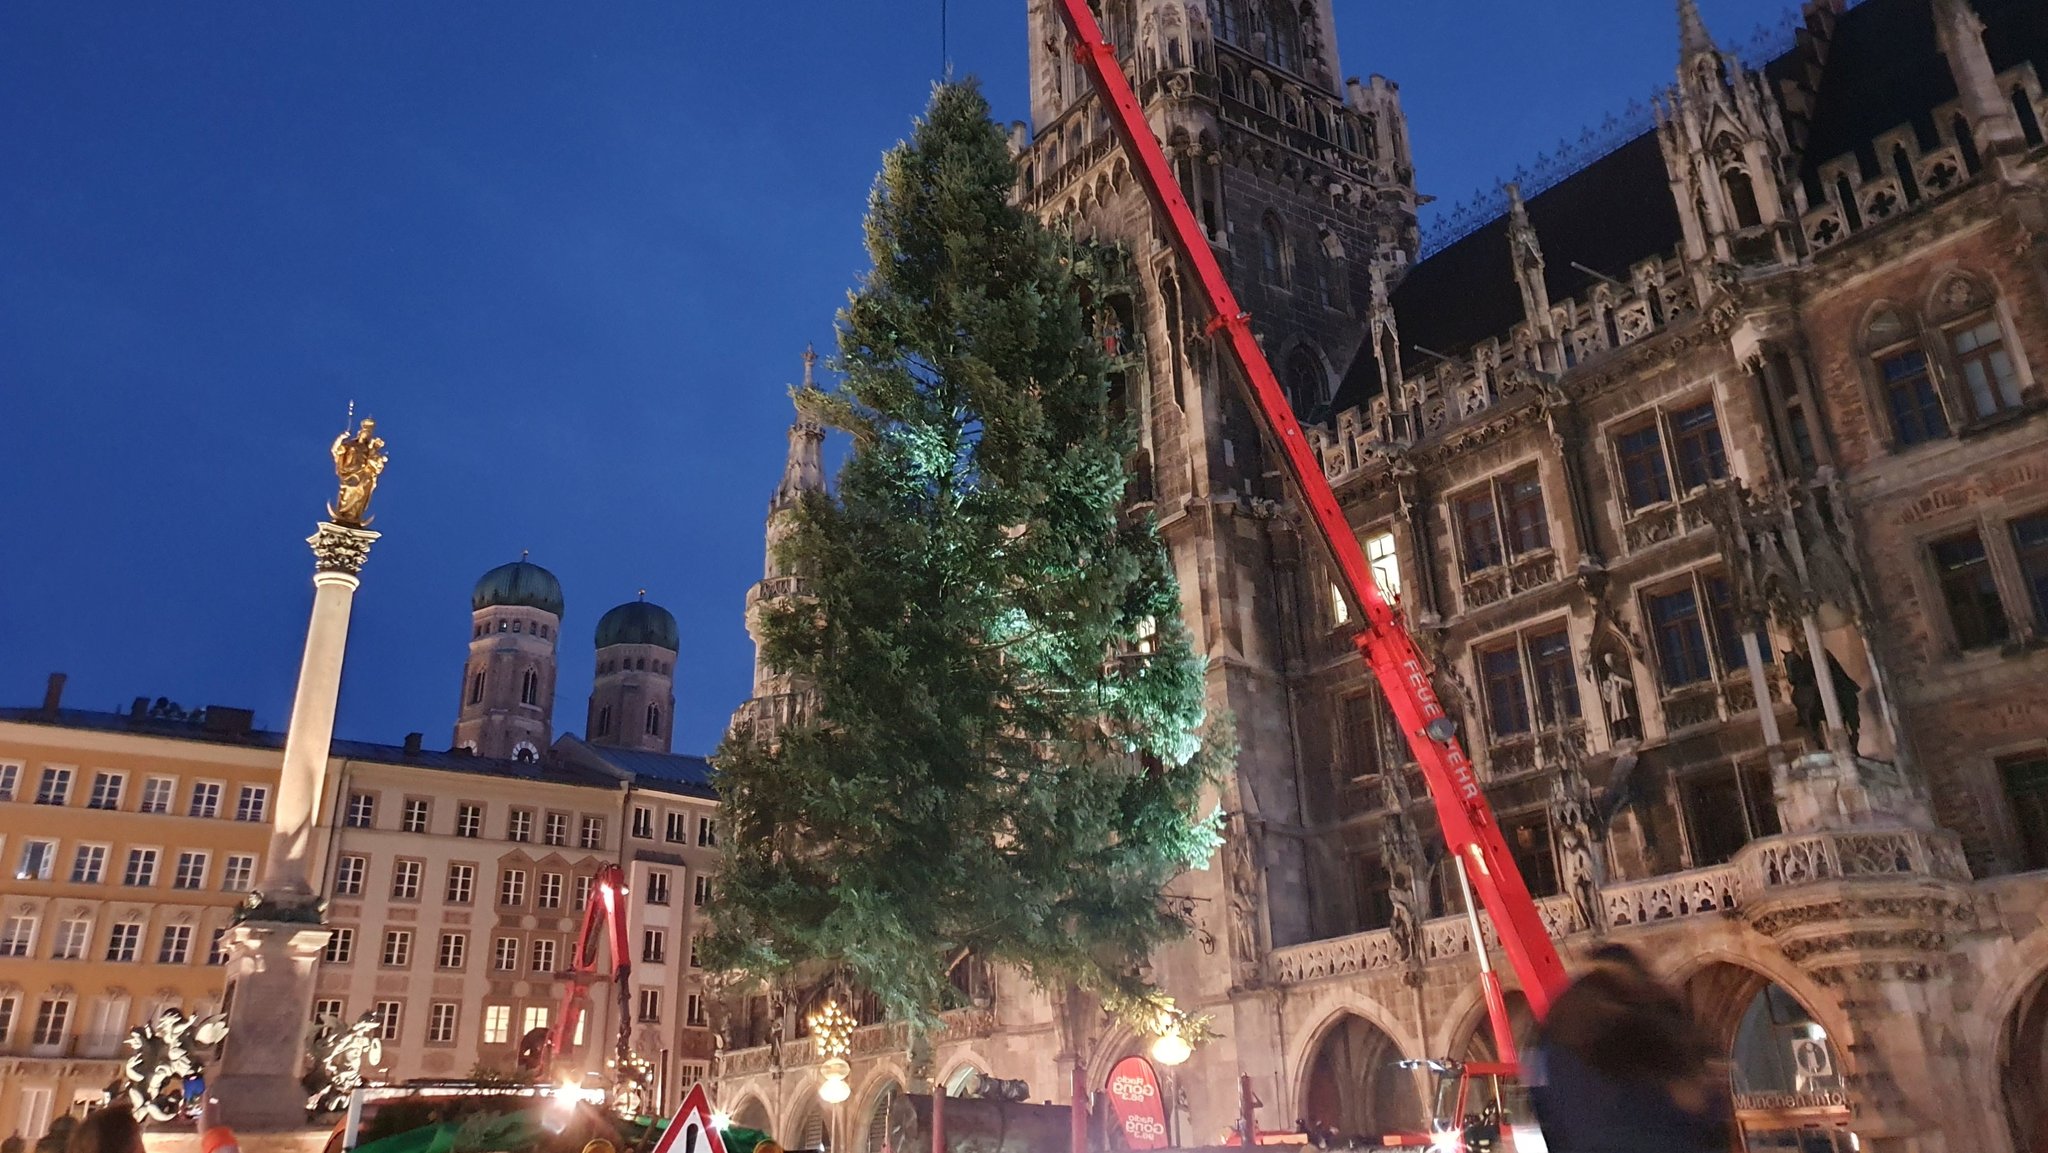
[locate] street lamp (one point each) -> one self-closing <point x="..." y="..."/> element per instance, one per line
<point x="1172" y="1047"/>
<point x="832" y="1027"/>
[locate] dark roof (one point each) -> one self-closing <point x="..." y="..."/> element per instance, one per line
<point x="549" y="769"/>
<point x="1608" y="216"/>
<point x="638" y="623"/>
<point x="520" y="583"/>
<point x="663" y="772"/>
<point x="1883" y="70"/>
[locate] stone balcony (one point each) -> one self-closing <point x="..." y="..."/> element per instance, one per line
<point x="1763" y="871"/>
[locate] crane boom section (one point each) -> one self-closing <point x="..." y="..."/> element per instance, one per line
<point x="1468" y="824"/>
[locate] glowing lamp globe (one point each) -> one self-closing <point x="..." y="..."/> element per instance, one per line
<point x="1171" y="1049"/>
<point x="833" y="1090"/>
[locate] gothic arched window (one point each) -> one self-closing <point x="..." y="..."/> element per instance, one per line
<point x="2022" y="107"/>
<point x="476" y="688"/>
<point x="604" y="721"/>
<point x="1273" y="252"/>
<point x="529" y="688"/>
<point x="653" y="720"/>
<point x="1742" y="198"/>
<point x="1306" y="383"/>
<point x="1906" y="379"/>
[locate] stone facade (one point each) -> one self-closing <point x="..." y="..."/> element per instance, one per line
<point x="1710" y="477"/>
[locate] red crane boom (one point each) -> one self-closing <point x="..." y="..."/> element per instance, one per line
<point x="1468" y="824"/>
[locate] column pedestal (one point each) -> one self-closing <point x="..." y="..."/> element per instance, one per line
<point x="270" y="995"/>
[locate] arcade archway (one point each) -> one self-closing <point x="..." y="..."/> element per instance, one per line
<point x="751" y="1115"/>
<point x="1784" y="1069"/>
<point x="2023" y="1067"/>
<point x="1479" y="1044"/>
<point x="1355" y="1084"/>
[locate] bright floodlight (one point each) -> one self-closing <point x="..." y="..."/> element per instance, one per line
<point x="721" y="1120"/>
<point x="1171" y="1048"/>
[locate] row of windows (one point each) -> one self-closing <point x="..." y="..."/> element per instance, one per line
<point x="1506" y="517"/>
<point x="109" y="788"/>
<point x="636" y="664"/>
<point x="416" y="815"/>
<point x="39" y="861"/>
<point x="529" y="686"/>
<point x="508" y="954"/>
<point x="71" y="939"/>
<point x="444" y="1018"/>
<point x="514" y="626"/>
<point x="676" y="827"/>
<point x="1721" y="809"/>
<point x="602" y="726"/>
<point x="351" y="874"/>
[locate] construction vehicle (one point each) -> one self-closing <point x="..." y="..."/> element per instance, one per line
<point x="1471" y="836"/>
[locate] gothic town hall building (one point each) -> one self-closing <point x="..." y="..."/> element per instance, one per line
<point x="1713" y="475"/>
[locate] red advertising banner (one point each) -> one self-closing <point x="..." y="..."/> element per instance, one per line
<point x="1135" y="1103"/>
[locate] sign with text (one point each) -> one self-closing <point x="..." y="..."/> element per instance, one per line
<point x="1135" y="1102"/>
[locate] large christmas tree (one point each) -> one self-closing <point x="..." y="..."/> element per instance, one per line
<point x="1008" y="748"/>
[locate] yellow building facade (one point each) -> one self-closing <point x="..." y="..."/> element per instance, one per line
<point x="126" y="842"/>
<point x="455" y="884"/>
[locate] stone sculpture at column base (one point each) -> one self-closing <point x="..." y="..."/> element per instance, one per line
<point x="269" y="986"/>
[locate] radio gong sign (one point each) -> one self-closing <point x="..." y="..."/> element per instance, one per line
<point x="1135" y="1103"/>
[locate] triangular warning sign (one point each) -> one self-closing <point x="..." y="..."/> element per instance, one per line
<point x="690" y="1131"/>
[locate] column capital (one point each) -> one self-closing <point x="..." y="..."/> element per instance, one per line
<point x="341" y="549"/>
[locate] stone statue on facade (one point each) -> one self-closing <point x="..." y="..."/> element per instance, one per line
<point x="359" y="459"/>
<point x="1578" y="855"/>
<point x="1241" y="873"/>
<point x="1617" y="694"/>
<point x="1404" y="918"/>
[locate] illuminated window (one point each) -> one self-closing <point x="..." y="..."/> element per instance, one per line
<point x="497" y="1024"/>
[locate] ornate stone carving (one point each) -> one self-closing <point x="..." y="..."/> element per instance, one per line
<point x="1240" y="859"/>
<point x="341" y="548"/>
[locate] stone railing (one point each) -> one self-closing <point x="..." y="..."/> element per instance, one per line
<point x="1849" y="203"/>
<point x="867" y="1041"/>
<point x="776" y="588"/>
<point x="1761" y="867"/>
<point x="1512" y="578"/>
<point x="1502" y="371"/>
<point x="1657" y="523"/>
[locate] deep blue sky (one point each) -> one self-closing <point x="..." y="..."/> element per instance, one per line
<point x="568" y="255"/>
